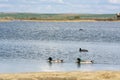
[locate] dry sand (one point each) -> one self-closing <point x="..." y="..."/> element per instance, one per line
<point x="94" y="75"/>
<point x="61" y="20"/>
<point x="4" y="20"/>
<point x="7" y="20"/>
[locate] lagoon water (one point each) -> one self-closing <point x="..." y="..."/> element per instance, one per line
<point x="25" y="46"/>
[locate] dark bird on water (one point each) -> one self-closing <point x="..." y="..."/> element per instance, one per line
<point x="83" y="50"/>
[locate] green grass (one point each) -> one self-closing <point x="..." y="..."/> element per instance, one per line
<point x="56" y="16"/>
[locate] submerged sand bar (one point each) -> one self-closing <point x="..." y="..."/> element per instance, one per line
<point x="94" y="75"/>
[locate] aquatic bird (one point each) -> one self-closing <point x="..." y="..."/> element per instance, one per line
<point x="83" y="50"/>
<point x="84" y="61"/>
<point x="80" y="29"/>
<point x="55" y="61"/>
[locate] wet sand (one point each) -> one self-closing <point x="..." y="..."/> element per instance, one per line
<point x="94" y="75"/>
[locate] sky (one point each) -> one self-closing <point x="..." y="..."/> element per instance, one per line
<point x="61" y="6"/>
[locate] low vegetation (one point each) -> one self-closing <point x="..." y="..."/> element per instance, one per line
<point x="35" y="16"/>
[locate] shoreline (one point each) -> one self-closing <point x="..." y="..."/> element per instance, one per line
<point x="5" y="20"/>
<point x="77" y="75"/>
<point x="8" y="20"/>
<point x="61" y="20"/>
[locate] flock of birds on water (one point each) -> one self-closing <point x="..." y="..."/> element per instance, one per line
<point x="78" y="60"/>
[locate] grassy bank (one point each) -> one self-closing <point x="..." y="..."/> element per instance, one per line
<point x="57" y="17"/>
<point x="97" y="75"/>
<point x="35" y="16"/>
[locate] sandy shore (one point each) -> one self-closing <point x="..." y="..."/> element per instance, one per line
<point x="70" y="20"/>
<point x="61" y="20"/>
<point x="1" y="20"/>
<point x="95" y="75"/>
<point x="5" y="20"/>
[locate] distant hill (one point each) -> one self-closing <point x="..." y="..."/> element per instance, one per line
<point x="35" y="16"/>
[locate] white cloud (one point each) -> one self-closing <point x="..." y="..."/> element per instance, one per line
<point x="48" y="7"/>
<point x="115" y="1"/>
<point x="41" y="1"/>
<point x="55" y="1"/>
<point x="5" y="5"/>
<point x="60" y="6"/>
<point x="60" y="1"/>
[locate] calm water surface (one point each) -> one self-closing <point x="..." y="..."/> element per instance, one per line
<point x="25" y="46"/>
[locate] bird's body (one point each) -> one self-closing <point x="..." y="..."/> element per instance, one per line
<point x="83" y="50"/>
<point x="84" y="61"/>
<point x="54" y="61"/>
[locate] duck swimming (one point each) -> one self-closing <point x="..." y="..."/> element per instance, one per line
<point x="83" y="50"/>
<point x="84" y="61"/>
<point x="55" y="61"/>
